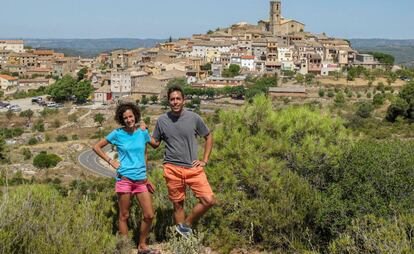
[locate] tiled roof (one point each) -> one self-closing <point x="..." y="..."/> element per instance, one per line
<point x="7" y="77"/>
<point x="12" y="41"/>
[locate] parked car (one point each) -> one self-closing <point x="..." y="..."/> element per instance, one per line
<point x="15" y="108"/>
<point x="51" y="104"/>
<point x="37" y="99"/>
<point x="4" y="104"/>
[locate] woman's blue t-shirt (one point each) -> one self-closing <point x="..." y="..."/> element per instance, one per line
<point x="131" y="152"/>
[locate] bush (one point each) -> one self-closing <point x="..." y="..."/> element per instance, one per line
<point x="371" y="234"/>
<point x="62" y="138"/>
<point x="39" y="126"/>
<point x="44" y="160"/>
<point x="11" y="133"/>
<point x="339" y="99"/>
<point x="321" y="92"/>
<point x="37" y="219"/>
<point x="26" y="153"/>
<point x="375" y="177"/>
<point x="256" y="175"/>
<point x="33" y="141"/>
<point x="365" y="109"/>
<point x="75" y="137"/>
<point x="378" y="99"/>
<point x="398" y="108"/>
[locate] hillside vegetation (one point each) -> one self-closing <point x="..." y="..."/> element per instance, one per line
<point x="290" y="180"/>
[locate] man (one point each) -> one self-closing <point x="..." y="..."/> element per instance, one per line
<point x="179" y="129"/>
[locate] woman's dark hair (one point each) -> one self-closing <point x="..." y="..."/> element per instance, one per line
<point x="121" y="108"/>
<point x="174" y="89"/>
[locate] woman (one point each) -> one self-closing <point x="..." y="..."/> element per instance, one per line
<point x="131" y="169"/>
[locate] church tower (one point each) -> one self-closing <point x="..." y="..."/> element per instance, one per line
<point x="275" y="17"/>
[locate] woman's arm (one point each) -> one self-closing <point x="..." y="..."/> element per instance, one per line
<point x="97" y="148"/>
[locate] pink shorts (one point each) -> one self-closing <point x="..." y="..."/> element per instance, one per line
<point x="128" y="186"/>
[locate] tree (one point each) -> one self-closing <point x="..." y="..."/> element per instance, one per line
<point x="81" y="73"/>
<point x="164" y="103"/>
<point x="383" y="58"/>
<point x="378" y="99"/>
<point x="154" y="99"/>
<point x="407" y="94"/>
<point x="210" y="92"/>
<point x="396" y="109"/>
<point x="365" y="109"/>
<point x="321" y="92"/>
<point x="99" y="118"/>
<point x="82" y="90"/>
<point x="28" y="114"/>
<point x="177" y="82"/>
<point x="232" y="71"/>
<point x="62" y="89"/>
<point x="339" y="99"/>
<point x="404" y="104"/>
<point x="206" y="67"/>
<point x="352" y="74"/>
<point x="144" y="100"/>
<point x="300" y="78"/>
<point x="309" y="78"/>
<point x="45" y="160"/>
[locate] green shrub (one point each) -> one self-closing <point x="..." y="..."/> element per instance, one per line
<point x="378" y="99"/>
<point x="26" y="153"/>
<point x="321" y="92"/>
<point x="37" y="219"/>
<point x="39" y="126"/>
<point x="270" y="163"/>
<point x="44" y="160"/>
<point x="375" y="177"/>
<point x="33" y="141"/>
<point x="62" y="138"/>
<point x="371" y="234"/>
<point x="339" y="99"/>
<point x="75" y="137"/>
<point x="365" y="109"/>
<point x="11" y="133"/>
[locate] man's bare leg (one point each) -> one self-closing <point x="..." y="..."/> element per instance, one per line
<point x="200" y="209"/>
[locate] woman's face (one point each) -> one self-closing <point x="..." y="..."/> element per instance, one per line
<point x="129" y="118"/>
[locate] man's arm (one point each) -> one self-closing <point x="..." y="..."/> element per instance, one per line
<point x="154" y="143"/>
<point x="208" y="146"/>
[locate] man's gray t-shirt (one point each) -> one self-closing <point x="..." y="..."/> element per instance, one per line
<point x="180" y="136"/>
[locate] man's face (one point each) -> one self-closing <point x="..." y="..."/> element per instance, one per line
<point x="176" y="102"/>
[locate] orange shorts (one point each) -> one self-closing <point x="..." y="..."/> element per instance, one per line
<point x="178" y="177"/>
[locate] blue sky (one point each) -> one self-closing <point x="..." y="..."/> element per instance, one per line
<point x="182" y="18"/>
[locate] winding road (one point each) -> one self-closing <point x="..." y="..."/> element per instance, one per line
<point x="89" y="160"/>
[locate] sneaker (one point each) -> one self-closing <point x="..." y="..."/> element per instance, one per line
<point x="183" y="230"/>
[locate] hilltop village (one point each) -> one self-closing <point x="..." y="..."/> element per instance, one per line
<point x="271" y="46"/>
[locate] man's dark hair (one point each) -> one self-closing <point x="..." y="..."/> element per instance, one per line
<point x="120" y="110"/>
<point x="175" y="89"/>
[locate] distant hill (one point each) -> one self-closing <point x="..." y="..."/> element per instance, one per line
<point x="90" y="47"/>
<point x="402" y="50"/>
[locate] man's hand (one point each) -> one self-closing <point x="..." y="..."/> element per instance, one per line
<point x="198" y="163"/>
<point x="143" y="125"/>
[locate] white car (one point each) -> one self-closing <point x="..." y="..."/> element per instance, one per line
<point x="15" y="108"/>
